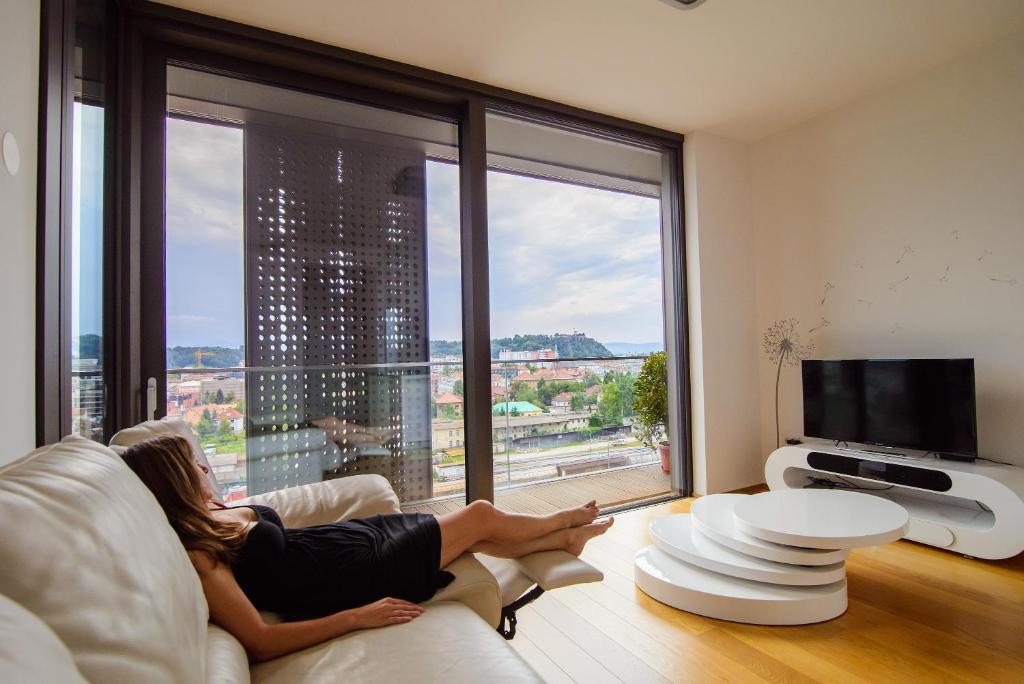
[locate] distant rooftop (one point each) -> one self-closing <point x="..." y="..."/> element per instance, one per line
<point x="520" y="407"/>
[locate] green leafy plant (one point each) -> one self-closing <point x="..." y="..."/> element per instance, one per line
<point x="650" y="392"/>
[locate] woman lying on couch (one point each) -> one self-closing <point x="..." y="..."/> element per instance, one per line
<point x="331" y="579"/>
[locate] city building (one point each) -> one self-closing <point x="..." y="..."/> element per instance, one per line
<point x="449" y="402"/>
<point x="515" y="408"/>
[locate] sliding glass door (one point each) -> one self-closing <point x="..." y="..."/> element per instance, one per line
<point x="311" y="255"/>
<point x="575" y="240"/>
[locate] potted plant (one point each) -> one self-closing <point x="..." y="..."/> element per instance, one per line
<point x="651" y="406"/>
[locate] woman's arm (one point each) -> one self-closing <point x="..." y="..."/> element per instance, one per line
<point x="231" y="609"/>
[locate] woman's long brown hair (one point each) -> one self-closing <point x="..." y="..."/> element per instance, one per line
<point x="165" y="466"/>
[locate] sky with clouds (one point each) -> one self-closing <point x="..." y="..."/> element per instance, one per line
<point x="563" y="257"/>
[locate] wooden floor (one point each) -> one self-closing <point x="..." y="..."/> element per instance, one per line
<point x="916" y="614"/>
<point x="610" y="489"/>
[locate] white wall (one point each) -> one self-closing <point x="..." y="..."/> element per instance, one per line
<point x="720" y="281"/>
<point x="935" y="165"/>
<point x="19" y="95"/>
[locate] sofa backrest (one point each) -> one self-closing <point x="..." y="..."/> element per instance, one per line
<point x="29" y="650"/>
<point x="87" y="549"/>
<point x="163" y="427"/>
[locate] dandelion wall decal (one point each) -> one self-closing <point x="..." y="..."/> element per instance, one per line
<point x="944" y="278"/>
<point x="907" y="249"/>
<point x="984" y="254"/>
<point x="782" y="345"/>
<point x="828" y="287"/>
<point x="824" y="324"/>
<point x="893" y="285"/>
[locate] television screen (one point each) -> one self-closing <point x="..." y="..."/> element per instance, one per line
<point x="925" y="404"/>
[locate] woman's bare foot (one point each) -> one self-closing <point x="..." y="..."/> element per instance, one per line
<point x="579" y="536"/>
<point x="581" y="515"/>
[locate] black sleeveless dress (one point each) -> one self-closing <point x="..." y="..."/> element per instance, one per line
<point x="314" y="571"/>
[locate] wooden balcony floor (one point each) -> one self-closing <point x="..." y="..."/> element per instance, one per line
<point x="610" y="488"/>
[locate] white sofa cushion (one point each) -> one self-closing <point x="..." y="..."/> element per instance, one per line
<point x="162" y="427"/>
<point x="86" y="548"/>
<point x="319" y="503"/>
<point x="30" y="652"/>
<point x="447" y="644"/>
<point x="226" y="660"/>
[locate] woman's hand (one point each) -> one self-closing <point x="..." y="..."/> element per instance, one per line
<point x="387" y="611"/>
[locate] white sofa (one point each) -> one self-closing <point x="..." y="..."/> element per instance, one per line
<point x="94" y="586"/>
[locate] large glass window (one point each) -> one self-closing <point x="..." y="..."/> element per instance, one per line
<point x="575" y="234"/>
<point x="87" y="395"/>
<point x="311" y="258"/>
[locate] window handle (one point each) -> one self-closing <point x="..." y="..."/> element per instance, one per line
<point x="151" y="399"/>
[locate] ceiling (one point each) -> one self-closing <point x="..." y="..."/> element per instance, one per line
<point x="743" y="69"/>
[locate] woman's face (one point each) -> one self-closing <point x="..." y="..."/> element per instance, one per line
<point x="205" y="488"/>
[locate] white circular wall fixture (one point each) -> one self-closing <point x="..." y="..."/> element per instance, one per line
<point x="12" y="158"/>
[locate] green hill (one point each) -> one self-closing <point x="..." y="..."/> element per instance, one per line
<point x="568" y="346"/>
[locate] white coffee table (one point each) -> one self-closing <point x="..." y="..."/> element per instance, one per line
<point x="774" y="558"/>
<point x="821" y="519"/>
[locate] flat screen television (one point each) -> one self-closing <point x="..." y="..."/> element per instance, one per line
<point x="925" y="404"/>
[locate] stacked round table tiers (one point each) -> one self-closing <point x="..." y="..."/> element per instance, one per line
<point x="775" y="558"/>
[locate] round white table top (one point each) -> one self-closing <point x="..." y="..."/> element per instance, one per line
<point x="821" y="519"/>
<point x="713" y="516"/>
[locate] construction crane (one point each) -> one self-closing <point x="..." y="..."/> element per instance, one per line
<point x="199" y="357"/>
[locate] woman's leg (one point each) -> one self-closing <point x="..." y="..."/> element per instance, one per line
<point x="571" y="539"/>
<point x="481" y="521"/>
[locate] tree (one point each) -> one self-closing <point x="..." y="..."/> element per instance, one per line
<point x="609" y="406"/>
<point x="218" y="398"/>
<point x="224" y="428"/>
<point x="229" y="398"/>
<point x="205" y="428"/>
<point x="626" y="383"/>
<point x="458" y="389"/>
<point x="578" y="402"/>
<point x="522" y="392"/>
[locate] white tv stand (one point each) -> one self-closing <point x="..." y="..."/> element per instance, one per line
<point x="974" y="508"/>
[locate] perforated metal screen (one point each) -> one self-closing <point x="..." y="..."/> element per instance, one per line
<point x="336" y="289"/>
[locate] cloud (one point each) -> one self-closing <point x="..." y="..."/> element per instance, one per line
<point x="565" y="258"/>
<point x="562" y="257"/>
<point x="204" y="182"/>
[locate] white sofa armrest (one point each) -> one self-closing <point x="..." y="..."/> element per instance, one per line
<point x="343" y="498"/>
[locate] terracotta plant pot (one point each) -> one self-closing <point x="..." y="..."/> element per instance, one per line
<point x="663" y="452"/>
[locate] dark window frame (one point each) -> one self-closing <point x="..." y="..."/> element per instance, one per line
<point x="149" y="36"/>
